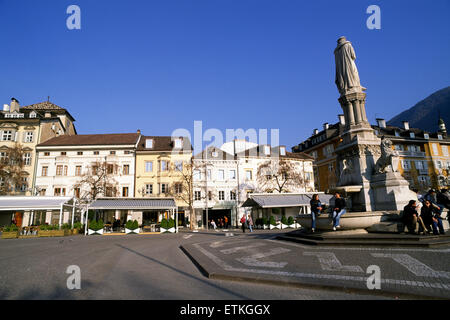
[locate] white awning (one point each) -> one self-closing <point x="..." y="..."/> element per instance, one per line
<point x="11" y="203"/>
<point x="133" y="204"/>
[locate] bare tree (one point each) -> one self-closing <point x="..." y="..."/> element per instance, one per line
<point x="99" y="180"/>
<point x="279" y="175"/>
<point x="183" y="186"/>
<point x="11" y="170"/>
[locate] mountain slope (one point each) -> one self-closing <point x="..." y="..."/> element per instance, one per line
<point x="424" y="114"/>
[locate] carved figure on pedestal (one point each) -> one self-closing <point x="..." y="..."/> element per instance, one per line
<point x="388" y="160"/>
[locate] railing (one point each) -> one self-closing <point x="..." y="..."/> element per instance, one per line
<point x="419" y="154"/>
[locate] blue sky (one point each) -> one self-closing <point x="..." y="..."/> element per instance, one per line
<point x="263" y="64"/>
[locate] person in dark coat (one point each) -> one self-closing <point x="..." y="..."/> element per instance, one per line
<point x="339" y="210"/>
<point x="316" y="210"/>
<point x="410" y="215"/>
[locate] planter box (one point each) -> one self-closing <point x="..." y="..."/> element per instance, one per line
<point x="10" y="235"/>
<point x="171" y="230"/>
<point x="128" y="231"/>
<point x="53" y="233"/>
<point x="91" y="232"/>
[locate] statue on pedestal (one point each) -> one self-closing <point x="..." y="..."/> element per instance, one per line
<point x="347" y="77"/>
<point x="388" y="160"/>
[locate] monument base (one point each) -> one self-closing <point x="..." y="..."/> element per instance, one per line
<point x="391" y="191"/>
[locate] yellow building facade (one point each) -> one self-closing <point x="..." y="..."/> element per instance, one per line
<point x="160" y="161"/>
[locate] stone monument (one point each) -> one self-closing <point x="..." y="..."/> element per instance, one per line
<point x="366" y="165"/>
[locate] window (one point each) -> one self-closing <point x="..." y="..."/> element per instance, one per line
<point x="412" y="135"/>
<point x="398" y="147"/>
<point x="179" y="165"/>
<point x="209" y="174"/>
<point x="78" y="170"/>
<point x="406" y="165"/>
<point x="221" y="195"/>
<point x="110" y="191"/>
<point x="313" y="154"/>
<point x="46" y="154"/>
<point x="232" y="195"/>
<point x="426" y="136"/>
<point x="63" y="153"/>
<point x="80" y="153"/>
<point x="419" y="165"/>
<point x="435" y="149"/>
<point x="7" y="135"/>
<point x="112" y="152"/>
<point x="126" y="169"/>
<point x="149" y="143"/>
<point x="44" y="171"/>
<point x="125" y="192"/>
<point x="110" y="168"/>
<point x="209" y="195"/>
<point x="330" y="167"/>
<point x="76" y="192"/>
<point x="197" y="195"/>
<point x="42" y="192"/>
<point x="178" y="143"/>
<point x="438" y="164"/>
<point x="59" y="170"/>
<point x="232" y="174"/>
<point x="29" y="136"/>
<point x="308" y="176"/>
<point x="164" y="187"/>
<point x="439" y="137"/>
<point x="24" y="185"/>
<point x="163" y="165"/>
<point x="65" y="170"/>
<point x="221" y="175"/>
<point x="2" y="156"/>
<point x="328" y="150"/>
<point x="445" y="150"/>
<point x="282" y="151"/>
<point x="33" y="114"/>
<point x="127" y="152"/>
<point x="27" y="158"/>
<point x="96" y="153"/>
<point x="397" y="134"/>
<point x="178" y="188"/>
<point x="248" y="174"/>
<point x="197" y="174"/>
<point x="149" y="188"/>
<point x="148" y="166"/>
<point x="60" y="192"/>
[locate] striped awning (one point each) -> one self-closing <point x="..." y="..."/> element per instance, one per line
<point x="133" y="204"/>
<point x="279" y="200"/>
<point x="11" y="203"/>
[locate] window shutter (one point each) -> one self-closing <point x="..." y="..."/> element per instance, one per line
<point x="16" y="135"/>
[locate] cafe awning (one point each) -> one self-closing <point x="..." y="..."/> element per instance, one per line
<point x="23" y="203"/>
<point x="133" y="204"/>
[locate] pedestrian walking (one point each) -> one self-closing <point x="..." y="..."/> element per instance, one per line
<point x="243" y="222"/>
<point x="213" y="224"/>
<point x="250" y="223"/>
<point x="226" y="222"/>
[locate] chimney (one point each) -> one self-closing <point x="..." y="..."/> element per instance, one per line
<point x="381" y="123"/>
<point x="341" y="119"/>
<point x="5" y="108"/>
<point x="316" y="131"/>
<point x="325" y="126"/>
<point x="15" y="106"/>
<point x="138" y="131"/>
<point x="405" y="125"/>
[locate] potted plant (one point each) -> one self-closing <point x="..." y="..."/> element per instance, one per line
<point x="47" y="230"/>
<point x="77" y="228"/>
<point x="10" y="232"/>
<point x="164" y="225"/>
<point x="132" y="226"/>
<point x="265" y="223"/>
<point x="95" y="227"/>
<point x="66" y="229"/>
<point x="171" y="226"/>
<point x="284" y="222"/>
<point x="272" y="223"/>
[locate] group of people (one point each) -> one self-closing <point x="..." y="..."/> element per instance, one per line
<point x="317" y="208"/>
<point x="221" y="223"/>
<point x="247" y="222"/>
<point x="429" y="220"/>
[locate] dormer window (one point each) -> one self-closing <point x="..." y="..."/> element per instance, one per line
<point x="33" y="114"/>
<point x="283" y="151"/>
<point x="412" y="135"/>
<point x="397" y="134"/>
<point x="267" y="150"/>
<point x="426" y="136"/>
<point x="149" y="143"/>
<point x="439" y="136"/>
<point x="214" y="154"/>
<point x="178" y="143"/>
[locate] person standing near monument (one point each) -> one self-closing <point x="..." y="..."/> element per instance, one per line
<point x="316" y="210"/>
<point x="338" y="211"/>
